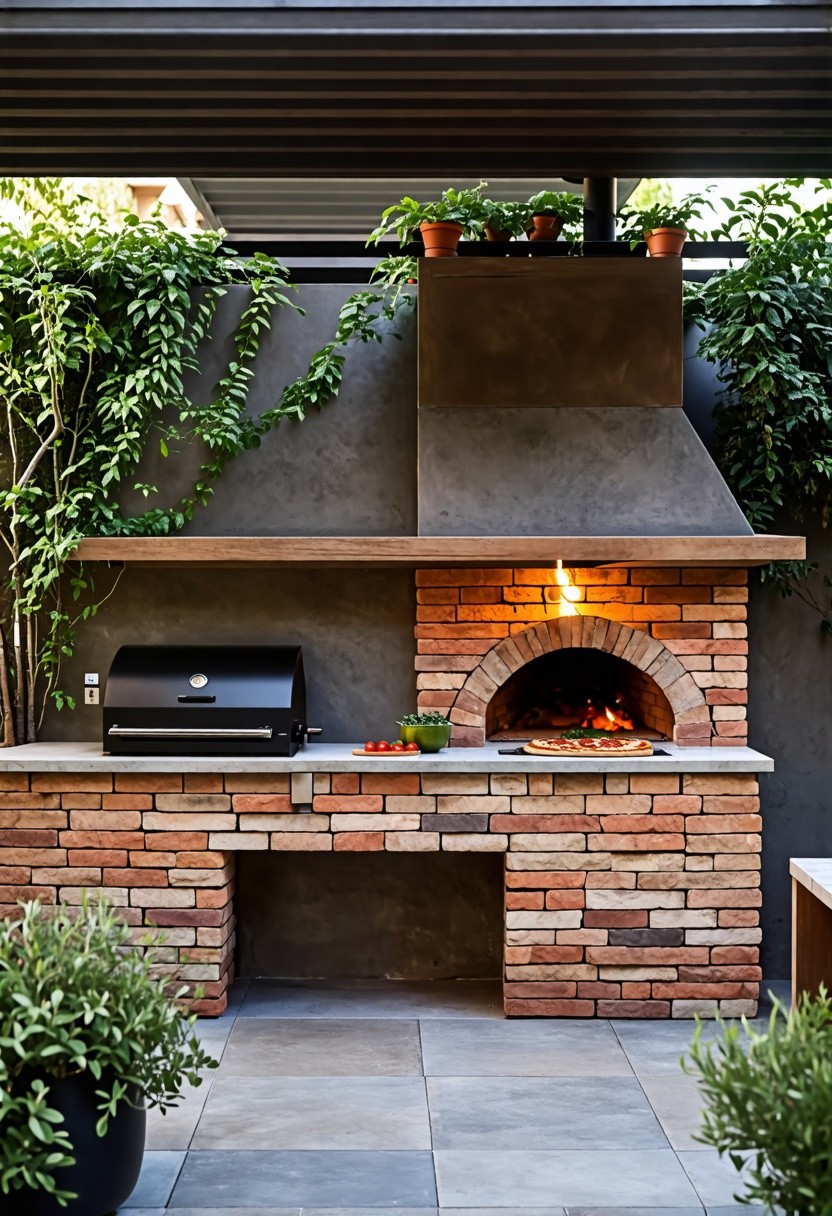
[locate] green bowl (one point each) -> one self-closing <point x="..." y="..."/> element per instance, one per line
<point x="429" y="738"/>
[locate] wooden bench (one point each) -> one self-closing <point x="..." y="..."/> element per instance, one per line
<point x="811" y="924"/>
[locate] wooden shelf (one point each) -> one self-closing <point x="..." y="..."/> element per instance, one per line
<point x="440" y="551"/>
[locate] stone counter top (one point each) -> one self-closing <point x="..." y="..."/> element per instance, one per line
<point x="338" y="757"/>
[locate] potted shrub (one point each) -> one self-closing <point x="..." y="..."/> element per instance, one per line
<point x="504" y="221"/>
<point x="768" y="1104"/>
<point x="551" y="211"/>
<point x="456" y="213"/>
<point x="663" y="226"/>
<point x="432" y="731"/>
<point x="87" y="1036"/>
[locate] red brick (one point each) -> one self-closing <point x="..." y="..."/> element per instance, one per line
<point x="738" y="918"/>
<point x="726" y="696"/>
<point x="94" y="821"/>
<point x="152" y="859"/>
<point x="633" y="1009"/>
<point x="599" y="990"/>
<point x="544" y="823"/>
<point x="20" y="875"/>
<point x="31" y="838"/>
<point x="345" y="783"/>
<point x="524" y="901"/>
<point x="33" y="802"/>
<point x="642" y="823"/>
<point x="521" y="955"/>
<point x="532" y="879"/>
<point x="81" y="802"/>
<point x="661" y="630"/>
<point x="653" y="842"/>
<point x="205" y="860"/>
<point x="63" y="875"/>
<point x="218" y="897"/>
<point x="745" y="898"/>
<point x="203" y="783"/>
<point x="635" y="990"/>
<point x="32" y="857"/>
<point x="174" y="841"/>
<point x="678" y="595"/>
<point x="558" y="900"/>
<point x="697" y="992"/>
<point x="172" y="918"/>
<point x="14" y="781"/>
<point x="127" y="802"/>
<point x="717" y="576"/>
<point x="677" y="804"/>
<point x="273" y="803"/>
<point x="97" y="857"/>
<point x="356" y="804"/>
<point x="549" y="1009"/>
<point x="730" y="805"/>
<point x="651" y="956"/>
<point x="89" y="783"/>
<point x="135" y="878"/>
<point x="707" y="824"/>
<point x="358" y="842"/>
<point x="11" y="895"/>
<point x="635" y="918"/>
<point x="654" y="575"/>
<point x="700" y="975"/>
<point x="102" y="840"/>
<point x="149" y="783"/>
<point x="387" y="783"/>
<point x="553" y="989"/>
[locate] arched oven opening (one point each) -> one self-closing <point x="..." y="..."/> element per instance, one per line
<point x="578" y="686"/>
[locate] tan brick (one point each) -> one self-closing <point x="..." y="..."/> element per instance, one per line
<point x="411" y="842"/>
<point x="156" y="821"/>
<point x="283" y="823"/>
<point x="133" y="878"/>
<point x="176" y="840"/>
<point x="32" y="857"/>
<point x="355" y="804"/>
<point x="455" y="783"/>
<point x="677" y="804"/>
<point x="257" y="783"/>
<point x="404" y="804"/>
<point x="551" y="861"/>
<point x="456" y="804"/>
<point x="151" y="897"/>
<point x="193" y="803"/>
<point x="720" y="783"/>
<point x="739" y="843"/>
<point x="474" y="842"/>
<point x="544" y="823"/>
<point x="546" y="879"/>
<point x="546" y="842"/>
<point x="375" y="823"/>
<point x="148" y="783"/>
<point x="508" y="783"/>
<point x="647" y="862"/>
<point x="636" y="974"/>
<point x="302" y="842"/>
<point x="90" y="783"/>
<point x="634" y="899"/>
<point x="541" y="784"/>
<point x="745" y="897"/>
<point x="619" y="804"/>
<point x="724" y="824"/>
<point x="238" y="840"/>
<point x="345" y="783"/>
<point x="723" y="937"/>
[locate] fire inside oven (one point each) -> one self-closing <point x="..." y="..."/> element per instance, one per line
<point x="579" y="687"/>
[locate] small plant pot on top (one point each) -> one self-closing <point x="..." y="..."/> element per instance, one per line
<point x="546" y="228"/>
<point x="665" y="242"/>
<point x="441" y="238"/>
<point x="496" y="234"/>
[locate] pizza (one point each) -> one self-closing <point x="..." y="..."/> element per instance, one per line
<point x="611" y="745"/>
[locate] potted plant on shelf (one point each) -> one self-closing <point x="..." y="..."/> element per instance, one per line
<point x="87" y="1036"/>
<point x="663" y="226"/>
<point x="504" y="221"/>
<point x="432" y="731"/>
<point x="442" y="223"/>
<point x="768" y="1102"/>
<point x="551" y="211"/>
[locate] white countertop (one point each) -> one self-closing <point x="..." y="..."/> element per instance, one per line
<point x="338" y="757"/>
<point x="814" y="873"/>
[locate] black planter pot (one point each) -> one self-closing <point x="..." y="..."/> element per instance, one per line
<point x="107" y="1167"/>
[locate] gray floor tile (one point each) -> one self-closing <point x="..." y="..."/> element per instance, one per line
<point x="480" y="1048"/>
<point x="541" y="1112"/>
<point x="657" y="1047"/>
<point x="146" y="1211"/>
<point x="596" y="1211"/>
<point x="156" y="1181"/>
<point x="305" y="1179"/>
<point x="367" y="1212"/>
<point x="315" y="1113"/>
<point x="492" y="1179"/>
<point x="321" y="1047"/>
<point x="752" y="1209"/>
<point x="373" y="999"/>
<point x="503" y="1211"/>
<point x="677" y="1104"/>
<point x="716" y="1180"/>
<point x="234" y="1212"/>
<point x="175" y="1128"/>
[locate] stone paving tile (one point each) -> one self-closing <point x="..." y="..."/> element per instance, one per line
<point x="175" y="1128"/>
<point x="156" y="1181"/>
<point x="594" y="1211"/>
<point x="677" y="1104"/>
<point x="655" y="1048"/>
<point x="321" y="1047"/>
<point x="315" y="1113"/>
<point x="478" y="1048"/>
<point x="374" y="999"/>
<point x="492" y="1179"/>
<point x="312" y="1179"/>
<point x="540" y="1112"/>
<point x="716" y="1180"/>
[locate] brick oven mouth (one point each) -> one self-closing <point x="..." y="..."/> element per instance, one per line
<point x="578" y="687"/>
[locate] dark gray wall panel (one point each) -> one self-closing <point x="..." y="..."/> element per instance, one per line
<point x="569" y="472"/>
<point x="410" y="916"/>
<point x="355" y="626"/>
<point x="348" y="469"/>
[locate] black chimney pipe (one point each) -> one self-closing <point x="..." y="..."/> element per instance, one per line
<point x="599" y="208"/>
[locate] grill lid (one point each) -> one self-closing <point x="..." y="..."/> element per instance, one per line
<point x="211" y="677"/>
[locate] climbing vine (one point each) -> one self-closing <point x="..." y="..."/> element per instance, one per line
<point x="99" y="326"/>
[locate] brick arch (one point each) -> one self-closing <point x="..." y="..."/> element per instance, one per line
<point x="596" y="632"/>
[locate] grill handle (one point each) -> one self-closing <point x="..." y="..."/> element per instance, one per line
<point x="180" y="732"/>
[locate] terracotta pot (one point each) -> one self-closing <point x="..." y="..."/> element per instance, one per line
<point x="546" y="228"/>
<point x="496" y="234"/>
<point x="441" y="239"/>
<point x="665" y="242"/>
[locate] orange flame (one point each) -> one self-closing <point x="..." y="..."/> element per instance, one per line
<point x="569" y="593"/>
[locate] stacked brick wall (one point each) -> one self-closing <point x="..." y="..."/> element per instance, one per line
<point x="467" y="619"/>
<point x="626" y="895"/>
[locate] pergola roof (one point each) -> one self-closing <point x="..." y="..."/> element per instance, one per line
<point x="414" y="90"/>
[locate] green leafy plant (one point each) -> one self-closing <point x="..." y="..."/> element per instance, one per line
<point x="513" y="218"/>
<point x="463" y="207"/>
<point x="569" y="206"/>
<point x="638" y="222"/>
<point x="767" y="325"/>
<point x="426" y="719"/>
<point x="75" y="1000"/>
<point x="768" y="1099"/>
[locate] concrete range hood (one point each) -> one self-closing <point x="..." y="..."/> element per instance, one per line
<point x="550" y="393"/>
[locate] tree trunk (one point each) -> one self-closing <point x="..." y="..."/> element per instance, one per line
<point x="6" y="702"/>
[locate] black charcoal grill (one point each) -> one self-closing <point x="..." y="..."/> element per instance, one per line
<point x="206" y="701"/>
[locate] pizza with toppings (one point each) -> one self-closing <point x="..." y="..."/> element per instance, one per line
<point x="609" y="745"/>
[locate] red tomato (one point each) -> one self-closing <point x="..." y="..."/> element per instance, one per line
<point x="411" y="747"/>
<point x="384" y="746"/>
<point x="369" y="747"/>
<point x="397" y="747"/>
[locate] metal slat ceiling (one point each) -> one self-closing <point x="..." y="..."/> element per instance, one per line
<point x="499" y="91"/>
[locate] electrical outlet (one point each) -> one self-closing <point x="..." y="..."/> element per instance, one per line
<point x="91" y="679"/>
<point x="90" y="696"/>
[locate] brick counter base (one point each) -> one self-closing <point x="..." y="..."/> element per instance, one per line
<point x="626" y="895"/>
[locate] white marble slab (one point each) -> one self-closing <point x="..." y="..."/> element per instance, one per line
<point x="338" y="757"/>
<point x="814" y="873"/>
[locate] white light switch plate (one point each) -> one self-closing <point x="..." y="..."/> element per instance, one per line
<point x="90" y="696"/>
<point x="91" y="679"/>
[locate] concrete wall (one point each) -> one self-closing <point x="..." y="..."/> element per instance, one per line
<point x="410" y="916"/>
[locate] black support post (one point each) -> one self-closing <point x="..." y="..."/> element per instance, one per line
<point x="599" y="208"/>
